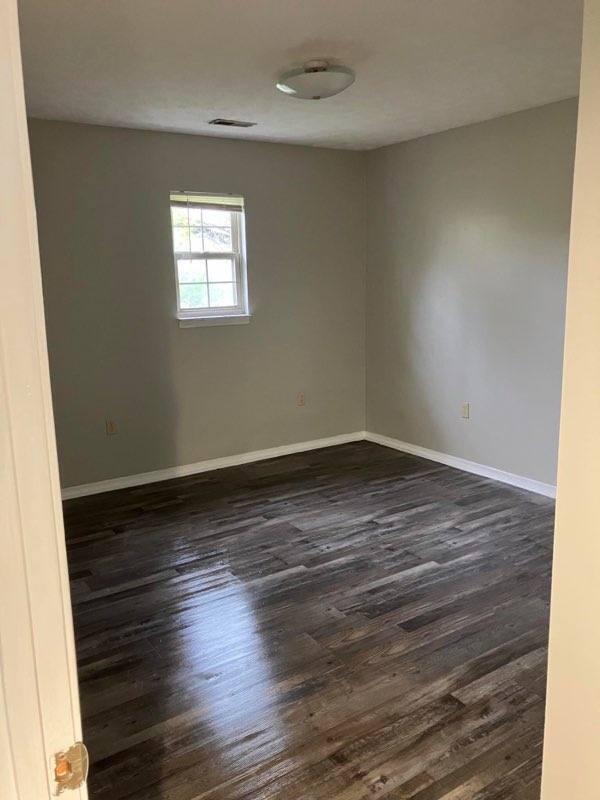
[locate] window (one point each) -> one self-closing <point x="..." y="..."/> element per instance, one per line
<point x="210" y="268"/>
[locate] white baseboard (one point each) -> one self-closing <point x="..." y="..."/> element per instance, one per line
<point x="210" y="464"/>
<point x="547" y="489"/>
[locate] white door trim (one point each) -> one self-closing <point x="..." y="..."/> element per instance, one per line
<point x="572" y="729"/>
<point x="40" y="704"/>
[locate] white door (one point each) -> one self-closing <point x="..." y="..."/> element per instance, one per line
<point x="39" y="701"/>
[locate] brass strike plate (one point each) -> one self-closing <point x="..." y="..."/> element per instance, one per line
<point x="70" y="768"/>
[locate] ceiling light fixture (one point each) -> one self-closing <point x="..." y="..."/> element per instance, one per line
<point x="316" y="80"/>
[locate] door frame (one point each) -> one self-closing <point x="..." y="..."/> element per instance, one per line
<point x="39" y="706"/>
<point x="572" y="730"/>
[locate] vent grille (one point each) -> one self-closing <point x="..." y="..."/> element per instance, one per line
<point x="231" y="123"/>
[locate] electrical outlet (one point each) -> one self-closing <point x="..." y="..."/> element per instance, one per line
<point x="301" y="399"/>
<point x="111" y="427"/>
<point x="466" y="411"/>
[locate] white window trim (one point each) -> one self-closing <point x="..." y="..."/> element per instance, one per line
<point x="228" y="319"/>
<point x="224" y="315"/>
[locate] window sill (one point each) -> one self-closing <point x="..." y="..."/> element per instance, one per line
<point x="200" y="322"/>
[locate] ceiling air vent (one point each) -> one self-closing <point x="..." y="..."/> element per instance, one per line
<point x="231" y="123"/>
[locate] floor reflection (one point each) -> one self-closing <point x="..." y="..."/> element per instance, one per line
<point x="223" y="645"/>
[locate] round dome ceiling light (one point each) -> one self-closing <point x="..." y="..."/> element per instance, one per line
<point x="316" y="80"/>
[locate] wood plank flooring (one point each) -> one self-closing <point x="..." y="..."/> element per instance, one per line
<point x="344" y="624"/>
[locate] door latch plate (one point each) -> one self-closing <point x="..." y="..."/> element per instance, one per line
<point x="70" y="768"/>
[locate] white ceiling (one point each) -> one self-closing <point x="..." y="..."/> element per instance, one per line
<point x="421" y="65"/>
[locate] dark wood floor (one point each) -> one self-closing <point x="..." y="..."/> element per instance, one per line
<point x="343" y="624"/>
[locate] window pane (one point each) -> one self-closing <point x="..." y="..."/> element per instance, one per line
<point x="179" y="215"/>
<point x="195" y="215"/>
<point x="222" y="294"/>
<point x="196" y="239"/>
<point x="181" y="240"/>
<point x="191" y="271"/>
<point x="222" y="219"/>
<point x="220" y="269"/>
<point x="193" y="295"/>
<point x="217" y="240"/>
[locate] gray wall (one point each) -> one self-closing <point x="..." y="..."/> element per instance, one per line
<point x="467" y="257"/>
<point x="116" y="350"/>
<point x="466" y="239"/>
